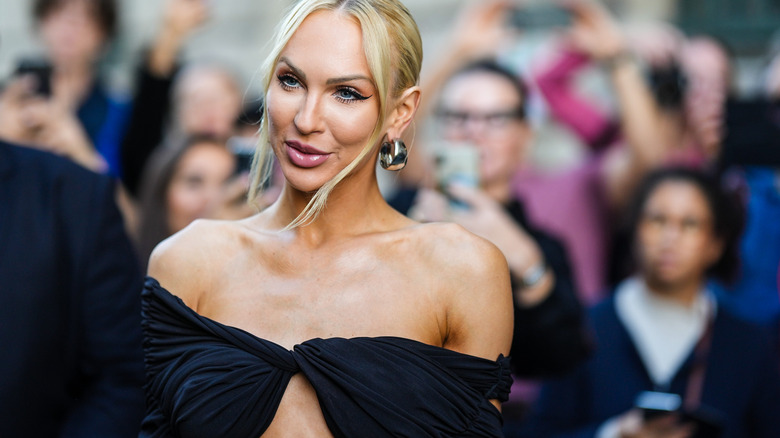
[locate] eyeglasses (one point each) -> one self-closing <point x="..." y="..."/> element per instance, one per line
<point x="494" y="120"/>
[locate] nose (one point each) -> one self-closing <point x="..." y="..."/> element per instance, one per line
<point x="671" y="233"/>
<point x="308" y="119"/>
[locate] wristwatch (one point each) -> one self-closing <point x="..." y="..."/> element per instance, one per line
<point x="533" y="275"/>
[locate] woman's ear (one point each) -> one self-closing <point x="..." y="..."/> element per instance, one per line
<point x="403" y="113"/>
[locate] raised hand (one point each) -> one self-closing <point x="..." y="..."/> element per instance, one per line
<point x="45" y="124"/>
<point x="180" y="19"/>
<point x="480" y="29"/>
<point x="593" y="31"/>
<point x="633" y="425"/>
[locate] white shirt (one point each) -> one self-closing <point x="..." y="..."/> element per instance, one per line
<point x="664" y="331"/>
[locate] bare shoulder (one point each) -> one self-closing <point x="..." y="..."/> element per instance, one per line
<point x="451" y="247"/>
<point x="186" y="263"/>
<point x="475" y="286"/>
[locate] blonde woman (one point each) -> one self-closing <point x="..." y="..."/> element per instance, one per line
<point x="329" y="313"/>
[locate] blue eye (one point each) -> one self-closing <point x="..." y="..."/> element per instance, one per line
<point x="349" y="95"/>
<point x="287" y="81"/>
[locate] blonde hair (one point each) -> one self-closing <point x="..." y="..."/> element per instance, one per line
<point x="393" y="49"/>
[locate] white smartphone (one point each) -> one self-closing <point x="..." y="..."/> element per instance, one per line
<point x="456" y="163"/>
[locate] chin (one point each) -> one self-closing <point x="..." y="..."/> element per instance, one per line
<point x="666" y="280"/>
<point x="304" y="180"/>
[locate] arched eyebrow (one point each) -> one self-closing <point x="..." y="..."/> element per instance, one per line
<point x="347" y="79"/>
<point x="298" y="72"/>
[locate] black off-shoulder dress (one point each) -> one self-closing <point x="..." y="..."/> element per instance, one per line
<point x="206" y="379"/>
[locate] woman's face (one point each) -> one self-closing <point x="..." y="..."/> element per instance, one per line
<point x="675" y="238"/>
<point x="208" y="102"/>
<point x="322" y="104"/>
<point x="483" y="109"/>
<point x="197" y="183"/>
<point x="71" y="34"/>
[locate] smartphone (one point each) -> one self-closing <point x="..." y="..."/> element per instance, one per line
<point x="708" y="423"/>
<point x="654" y="404"/>
<point x="540" y="16"/>
<point x="456" y="163"/>
<point x="41" y="71"/>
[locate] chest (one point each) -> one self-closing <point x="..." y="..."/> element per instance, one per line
<point x="289" y="297"/>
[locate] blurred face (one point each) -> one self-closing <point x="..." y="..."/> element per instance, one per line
<point x="675" y="240"/>
<point x="197" y="183"/>
<point x="707" y="69"/>
<point x="208" y="103"/>
<point x="483" y="109"/>
<point x="322" y="104"/>
<point x="71" y="34"/>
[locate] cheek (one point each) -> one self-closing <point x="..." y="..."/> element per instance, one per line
<point x="91" y="39"/>
<point x="501" y="155"/>
<point x="281" y="112"/>
<point x="646" y="241"/>
<point x="182" y="201"/>
<point x="351" y="126"/>
<point x="701" y="249"/>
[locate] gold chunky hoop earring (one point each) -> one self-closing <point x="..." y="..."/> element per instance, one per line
<point x="393" y="155"/>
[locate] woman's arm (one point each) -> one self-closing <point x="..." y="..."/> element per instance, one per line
<point x="479" y="313"/>
<point x="146" y="126"/>
<point x="550" y="336"/>
<point x="555" y="82"/>
<point x="595" y="33"/>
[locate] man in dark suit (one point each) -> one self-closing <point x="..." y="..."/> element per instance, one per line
<point x="70" y="332"/>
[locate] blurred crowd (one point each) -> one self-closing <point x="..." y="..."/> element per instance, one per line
<point x="659" y="244"/>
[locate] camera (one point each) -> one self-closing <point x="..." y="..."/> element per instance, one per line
<point x="539" y="17"/>
<point x="668" y="84"/>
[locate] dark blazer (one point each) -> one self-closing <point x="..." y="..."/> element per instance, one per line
<point x="70" y="336"/>
<point x="741" y="383"/>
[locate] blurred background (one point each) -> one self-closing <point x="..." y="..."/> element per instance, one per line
<point x="236" y="33"/>
<point x="238" y="30"/>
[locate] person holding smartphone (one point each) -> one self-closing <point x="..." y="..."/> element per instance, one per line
<point x="34" y="119"/>
<point x="75" y="34"/>
<point x="664" y="331"/>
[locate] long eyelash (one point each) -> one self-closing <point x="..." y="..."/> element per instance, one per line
<point x="284" y="76"/>
<point x="357" y="96"/>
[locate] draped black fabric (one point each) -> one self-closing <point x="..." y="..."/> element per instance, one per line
<point x="206" y="379"/>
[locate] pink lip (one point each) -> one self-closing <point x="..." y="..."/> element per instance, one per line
<point x="303" y="155"/>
